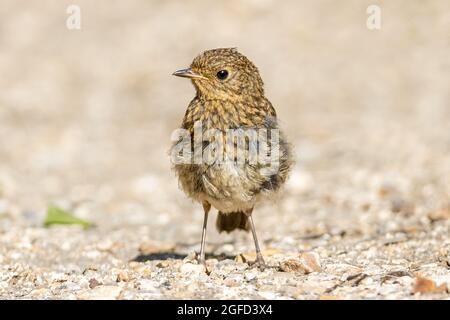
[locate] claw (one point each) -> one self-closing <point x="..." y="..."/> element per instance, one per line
<point x="259" y="262"/>
<point x="202" y="261"/>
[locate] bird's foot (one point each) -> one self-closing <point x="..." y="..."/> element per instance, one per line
<point x="259" y="262"/>
<point x="201" y="261"/>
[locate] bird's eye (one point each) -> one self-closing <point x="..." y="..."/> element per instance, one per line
<point x="222" y="74"/>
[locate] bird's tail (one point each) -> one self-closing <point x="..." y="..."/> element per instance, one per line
<point x="231" y="221"/>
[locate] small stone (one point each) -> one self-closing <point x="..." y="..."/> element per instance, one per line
<point x="211" y="263"/>
<point x="312" y="261"/>
<point x="189" y="268"/>
<point x="240" y="266"/>
<point x="148" y="285"/>
<point x="234" y="281"/>
<point x="425" y="285"/>
<point x="163" y="264"/>
<point x="40" y="292"/>
<point x="191" y="257"/>
<point x="93" y="283"/>
<point x="143" y="270"/>
<point x="269" y="295"/>
<point x="367" y="281"/>
<point x="134" y="264"/>
<point x="249" y="276"/>
<point x="292" y="265"/>
<point x="122" y="276"/>
<point x="225" y="262"/>
<point x="307" y="262"/>
<point x="59" y="277"/>
<point x="101" y="293"/>
<point x="442" y="214"/>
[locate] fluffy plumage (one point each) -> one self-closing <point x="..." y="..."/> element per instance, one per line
<point x="236" y="102"/>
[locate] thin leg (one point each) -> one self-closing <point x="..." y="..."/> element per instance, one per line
<point x="206" y="208"/>
<point x="259" y="257"/>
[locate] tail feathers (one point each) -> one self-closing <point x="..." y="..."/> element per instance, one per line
<point x="231" y="221"/>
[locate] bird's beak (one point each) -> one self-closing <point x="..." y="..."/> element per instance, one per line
<point x="187" y="73"/>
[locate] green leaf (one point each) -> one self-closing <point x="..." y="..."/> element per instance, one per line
<point x="57" y="215"/>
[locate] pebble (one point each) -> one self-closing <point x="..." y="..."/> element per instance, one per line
<point x="305" y="263"/>
<point x="101" y="293"/>
<point x="234" y="281"/>
<point x="93" y="283"/>
<point x="190" y="268"/>
<point x="191" y="257"/>
<point x="249" y="276"/>
<point x="269" y="295"/>
<point x="163" y="264"/>
<point x="148" y="285"/>
<point x="123" y="276"/>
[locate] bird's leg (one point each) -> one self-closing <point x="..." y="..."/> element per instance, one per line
<point x="259" y="258"/>
<point x="201" y="258"/>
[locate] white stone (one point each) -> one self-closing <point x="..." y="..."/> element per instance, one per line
<point x="249" y="276"/>
<point x="101" y="293"/>
<point x="148" y="285"/>
<point x="189" y="268"/>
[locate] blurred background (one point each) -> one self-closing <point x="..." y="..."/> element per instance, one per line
<point x="86" y="115"/>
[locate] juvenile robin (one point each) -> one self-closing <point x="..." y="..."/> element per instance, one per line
<point x="230" y="98"/>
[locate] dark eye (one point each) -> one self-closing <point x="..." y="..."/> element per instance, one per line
<point x="222" y="74"/>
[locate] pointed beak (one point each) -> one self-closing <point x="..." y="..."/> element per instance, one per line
<point x="187" y="73"/>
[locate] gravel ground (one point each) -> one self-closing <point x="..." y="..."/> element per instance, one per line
<point x="86" y="117"/>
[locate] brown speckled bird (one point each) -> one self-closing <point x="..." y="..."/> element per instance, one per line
<point x="230" y="95"/>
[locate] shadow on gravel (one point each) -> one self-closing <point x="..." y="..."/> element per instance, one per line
<point x="176" y="256"/>
<point x="159" y="256"/>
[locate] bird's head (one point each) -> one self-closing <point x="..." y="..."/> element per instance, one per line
<point x="223" y="74"/>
